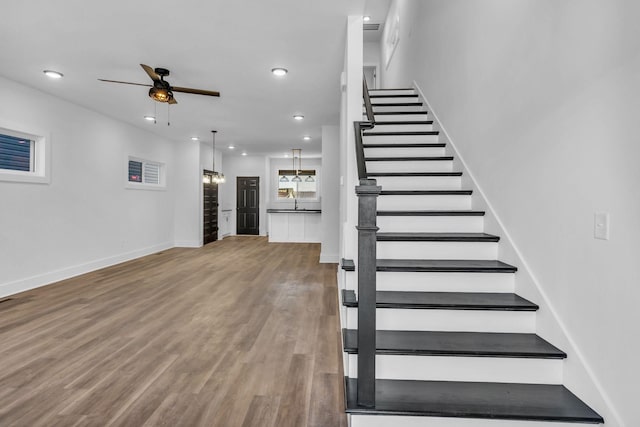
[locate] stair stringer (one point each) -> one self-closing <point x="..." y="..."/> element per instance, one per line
<point x="578" y="375"/>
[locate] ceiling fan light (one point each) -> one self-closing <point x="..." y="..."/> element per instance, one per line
<point x="298" y="117"/>
<point x="160" y="94"/>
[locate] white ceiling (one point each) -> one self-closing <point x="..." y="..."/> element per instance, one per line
<point x="224" y="45"/>
<point x="377" y="10"/>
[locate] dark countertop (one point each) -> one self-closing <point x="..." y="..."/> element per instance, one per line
<point x="308" y="211"/>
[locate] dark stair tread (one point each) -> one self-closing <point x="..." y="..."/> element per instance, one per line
<point x="534" y="402"/>
<point x="392" y="113"/>
<point x="396" y="104"/>
<point x="463" y="344"/>
<point x="445" y="300"/>
<point x="425" y="192"/>
<point x="404" y="95"/>
<point x="387" y="89"/>
<point x="347" y="264"/>
<point x="445" y="265"/>
<point x="408" y="122"/>
<point x="400" y="133"/>
<point x="435" y="237"/>
<point x="414" y="174"/>
<point x="430" y="213"/>
<point x="407" y="145"/>
<point x="408" y="159"/>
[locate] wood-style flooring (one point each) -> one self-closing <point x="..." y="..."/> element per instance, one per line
<point x="239" y="333"/>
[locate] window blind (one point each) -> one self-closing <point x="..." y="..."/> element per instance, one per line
<point x="16" y="153"/>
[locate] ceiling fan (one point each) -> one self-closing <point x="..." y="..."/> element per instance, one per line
<point x="161" y="90"/>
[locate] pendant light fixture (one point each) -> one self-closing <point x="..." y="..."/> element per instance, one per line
<point x="298" y="152"/>
<point x="217" y="178"/>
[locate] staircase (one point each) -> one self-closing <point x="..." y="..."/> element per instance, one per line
<point x="454" y="346"/>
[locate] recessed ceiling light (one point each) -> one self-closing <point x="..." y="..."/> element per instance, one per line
<point x="298" y="117"/>
<point x="195" y="138"/>
<point x="53" y="74"/>
<point x="231" y="147"/>
<point x="280" y="72"/>
<point x="244" y="153"/>
<point x="150" y="118"/>
<point x="366" y="18"/>
<point x="306" y="138"/>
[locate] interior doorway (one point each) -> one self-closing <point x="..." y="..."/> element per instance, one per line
<point x="209" y="207"/>
<point x="371" y="76"/>
<point x="248" y="205"/>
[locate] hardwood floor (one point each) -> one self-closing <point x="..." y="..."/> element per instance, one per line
<point x="239" y="333"/>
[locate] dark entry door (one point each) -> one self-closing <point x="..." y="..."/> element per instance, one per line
<point x="210" y="208"/>
<point x="248" y="204"/>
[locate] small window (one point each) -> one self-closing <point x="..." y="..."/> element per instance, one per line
<point x="24" y="157"/>
<point x="16" y="154"/>
<point x="135" y="171"/>
<point x="145" y="172"/>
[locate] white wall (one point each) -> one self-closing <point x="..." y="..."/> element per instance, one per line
<point x="188" y="202"/>
<point x="235" y="166"/>
<point x="350" y="111"/>
<point x="85" y="218"/>
<point x="330" y="193"/>
<point x="541" y="99"/>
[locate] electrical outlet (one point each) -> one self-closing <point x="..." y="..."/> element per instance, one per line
<point x="601" y="225"/>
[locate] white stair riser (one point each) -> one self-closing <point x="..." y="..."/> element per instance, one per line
<point x="404" y="151"/>
<point x="398" y="117"/>
<point x="419" y="182"/>
<point x="398" y="139"/>
<point x="457" y="368"/>
<point x="413" y="421"/>
<point x="410" y="281"/>
<point x="395" y="99"/>
<point x="410" y="166"/>
<point x="433" y="224"/>
<point x="391" y="108"/>
<point x="402" y="128"/>
<point x="426" y="202"/>
<point x="392" y="92"/>
<point x="449" y="320"/>
<point x="437" y="250"/>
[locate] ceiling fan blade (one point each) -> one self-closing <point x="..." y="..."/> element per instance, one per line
<point x="173" y="101"/>
<point x="151" y="72"/>
<point x="126" y="83"/>
<point x="195" y="91"/>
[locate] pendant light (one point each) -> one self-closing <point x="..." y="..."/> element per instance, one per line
<point x="298" y="152"/>
<point x="217" y="178"/>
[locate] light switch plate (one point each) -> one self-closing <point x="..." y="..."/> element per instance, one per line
<point x="601" y="225"/>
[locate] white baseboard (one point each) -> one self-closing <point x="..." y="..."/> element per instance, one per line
<point x="187" y="244"/>
<point x="43" y="279"/>
<point x="329" y="258"/>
